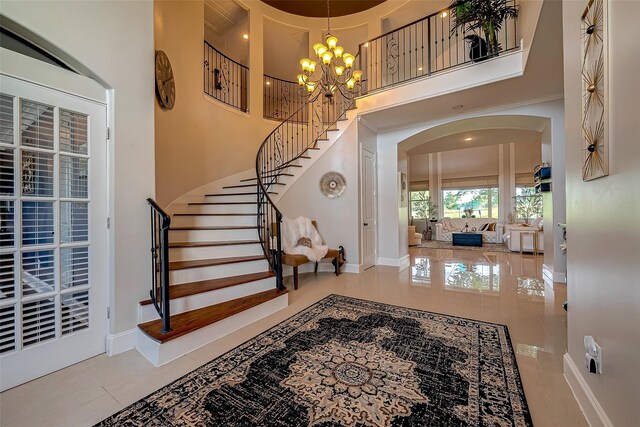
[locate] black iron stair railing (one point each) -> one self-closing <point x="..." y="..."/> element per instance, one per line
<point x="281" y="98"/>
<point x="159" y="292"/>
<point x="287" y="143"/>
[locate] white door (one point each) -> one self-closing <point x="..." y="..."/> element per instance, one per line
<point x="368" y="162"/>
<point x="53" y="293"/>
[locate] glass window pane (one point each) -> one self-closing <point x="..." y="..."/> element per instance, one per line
<point x="73" y="132"/>
<point x="7" y="276"/>
<point x="74" y="222"/>
<point x="7" y="329"/>
<point x="74" y="312"/>
<point x="6" y="119"/>
<point x="7" y="180"/>
<point x="73" y="177"/>
<point x="38" y="272"/>
<point x="38" y="321"/>
<point x="74" y="263"/>
<point x="37" y="223"/>
<point x="37" y="174"/>
<point x="471" y="203"/>
<point x="7" y="228"/>
<point x="36" y="125"/>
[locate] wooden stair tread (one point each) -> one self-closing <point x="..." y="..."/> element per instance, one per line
<point x="268" y="176"/>
<point x="235" y="194"/>
<point x="206" y="244"/>
<point x="194" y="288"/>
<point x="304" y="157"/>
<point x="232" y="194"/>
<point x="223" y="203"/>
<point x="214" y="214"/>
<point x="214" y="227"/>
<point x="181" y="265"/>
<point x="190" y="321"/>
<point x="239" y="186"/>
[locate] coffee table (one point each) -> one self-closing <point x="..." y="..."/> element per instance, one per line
<point x="466" y="239"/>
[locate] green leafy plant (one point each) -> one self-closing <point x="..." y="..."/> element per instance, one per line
<point x="485" y="15"/>
<point x="528" y="205"/>
<point x="425" y="208"/>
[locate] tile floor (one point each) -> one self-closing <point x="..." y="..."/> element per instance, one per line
<point x="502" y="288"/>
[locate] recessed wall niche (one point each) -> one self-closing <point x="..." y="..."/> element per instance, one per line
<point x="226" y="28"/>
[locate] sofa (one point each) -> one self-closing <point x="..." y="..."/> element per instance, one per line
<point x="444" y="228"/>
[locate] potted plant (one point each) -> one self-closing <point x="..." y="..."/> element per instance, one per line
<point x="528" y="206"/>
<point x="485" y="15"/>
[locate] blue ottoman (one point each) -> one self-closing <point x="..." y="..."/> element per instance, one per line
<point x="467" y="239"/>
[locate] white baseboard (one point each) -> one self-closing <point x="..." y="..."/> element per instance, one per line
<point x="550" y="276"/>
<point x="401" y="263"/>
<point x="352" y="268"/>
<point x="547" y="274"/>
<point x="391" y="262"/>
<point x="121" y="342"/>
<point x="404" y="262"/>
<point x="593" y="412"/>
<point x="559" y="277"/>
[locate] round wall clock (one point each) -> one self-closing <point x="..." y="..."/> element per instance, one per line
<point x="165" y="84"/>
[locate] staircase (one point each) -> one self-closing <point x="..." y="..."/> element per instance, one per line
<point x="223" y="259"/>
<point x="219" y="277"/>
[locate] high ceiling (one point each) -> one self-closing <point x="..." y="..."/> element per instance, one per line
<point x="318" y="8"/>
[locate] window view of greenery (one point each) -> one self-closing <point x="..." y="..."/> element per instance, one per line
<point x="471" y="203"/>
<point x="421" y="207"/>
<point x="528" y="203"/>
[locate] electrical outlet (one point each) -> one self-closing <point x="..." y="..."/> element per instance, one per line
<point x="593" y="355"/>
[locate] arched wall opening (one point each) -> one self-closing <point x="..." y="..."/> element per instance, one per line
<point x="543" y="122"/>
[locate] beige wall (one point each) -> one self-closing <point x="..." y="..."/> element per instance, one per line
<point x="338" y="219"/>
<point x="603" y="232"/>
<point x="201" y="140"/>
<point x="112" y="42"/>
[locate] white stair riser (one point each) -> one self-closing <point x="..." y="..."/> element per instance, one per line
<point x="148" y="312"/>
<point x="213" y="235"/>
<point x="196" y="221"/>
<point x="225" y="199"/>
<point x="188" y="275"/>
<point x="248" y="208"/>
<point x="160" y="354"/>
<point x="210" y="252"/>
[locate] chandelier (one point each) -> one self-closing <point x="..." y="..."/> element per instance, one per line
<point x="336" y="71"/>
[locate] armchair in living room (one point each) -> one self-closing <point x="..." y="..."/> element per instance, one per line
<point x="414" y="238"/>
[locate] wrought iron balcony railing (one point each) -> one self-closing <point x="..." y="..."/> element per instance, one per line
<point x="225" y="79"/>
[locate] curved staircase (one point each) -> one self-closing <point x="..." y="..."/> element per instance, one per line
<point x="223" y="266"/>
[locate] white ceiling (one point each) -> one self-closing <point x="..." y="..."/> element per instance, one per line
<point x="543" y="79"/>
<point x="479" y="138"/>
<point x="221" y="15"/>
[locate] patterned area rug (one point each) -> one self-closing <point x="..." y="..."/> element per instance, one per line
<point x="350" y="362"/>
<point x="486" y="247"/>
